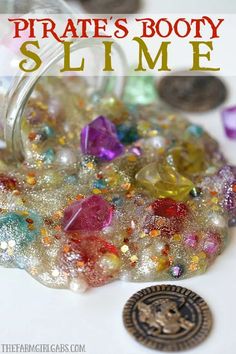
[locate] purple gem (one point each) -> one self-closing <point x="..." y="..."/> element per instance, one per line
<point x="191" y="240"/>
<point x="229" y="121"/>
<point x="211" y="244"/>
<point x="99" y="138"/>
<point x="176" y="271"/>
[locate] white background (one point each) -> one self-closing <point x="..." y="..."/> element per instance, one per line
<point x="32" y="313"/>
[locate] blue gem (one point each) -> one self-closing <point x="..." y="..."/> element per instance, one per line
<point x="49" y="156"/>
<point x="195" y="130"/>
<point x="127" y="134"/>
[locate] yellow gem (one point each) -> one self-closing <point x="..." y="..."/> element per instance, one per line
<point x="163" y="181"/>
<point x="188" y="159"/>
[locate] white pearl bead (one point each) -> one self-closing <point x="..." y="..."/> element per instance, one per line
<point x="78" y="285"/>
<point x="156" y="142"/>
<point x="218" y="220"/>
<point x="66" y="156"/>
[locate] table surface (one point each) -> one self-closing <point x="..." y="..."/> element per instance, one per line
<point x="32" y="313"/>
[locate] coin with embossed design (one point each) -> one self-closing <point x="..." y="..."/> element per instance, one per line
<point x="167" y="318"/>
<point x="111" y="6"/>
<point x="195" y="93"/>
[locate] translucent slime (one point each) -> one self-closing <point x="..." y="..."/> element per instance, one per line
<point x="118" y="191"/>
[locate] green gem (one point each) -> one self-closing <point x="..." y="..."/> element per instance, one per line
<point x="195" y="192"/>
<point x="140" y="90"/>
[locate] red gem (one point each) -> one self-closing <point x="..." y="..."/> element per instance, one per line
<point x="169" y="208"/>
<point x="8" y="183"/>
<point x="90" y="214"/>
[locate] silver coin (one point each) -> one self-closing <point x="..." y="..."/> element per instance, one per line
<point x="197" y="93"/>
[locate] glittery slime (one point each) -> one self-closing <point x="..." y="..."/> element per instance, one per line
<point x="117" y="191"/>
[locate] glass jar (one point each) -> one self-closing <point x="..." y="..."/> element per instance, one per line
<point x="16" y="90"/>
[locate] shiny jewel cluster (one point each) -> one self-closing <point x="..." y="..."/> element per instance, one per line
<point x="119" y="191"/>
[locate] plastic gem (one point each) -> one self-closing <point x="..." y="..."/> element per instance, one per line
<point x="99" y="138"/>
<point x="162" y="180"/>
<point x="229" y="122"/>
<point x="90" y="214"/>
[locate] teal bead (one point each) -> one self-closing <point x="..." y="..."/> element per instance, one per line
<point x="140" y="90"/>
<point x="48" y="131"/>
<point x="117" y="201"/>
<point x="48" y="156"/>
<point x="19" y="228"/>
<point x="127" y="134"/>
<point x="100" y="184"/>
<point x="195" y="130"/>
<point x="72" y="179"/>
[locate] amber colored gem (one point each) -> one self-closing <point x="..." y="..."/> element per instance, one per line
<point x="162" y="263"/>
<point x="154" y="233"/>
<point x="31" y="180"/>
<point x="166" y="250"/>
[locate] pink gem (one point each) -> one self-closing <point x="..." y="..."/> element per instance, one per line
<point x="211" y="244"/>
<point x="191" y="240"/>
<point x="91" y="214"/>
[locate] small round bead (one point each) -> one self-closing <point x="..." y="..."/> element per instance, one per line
<point x="66" y="156"/>
<point x="78" y="285"/>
